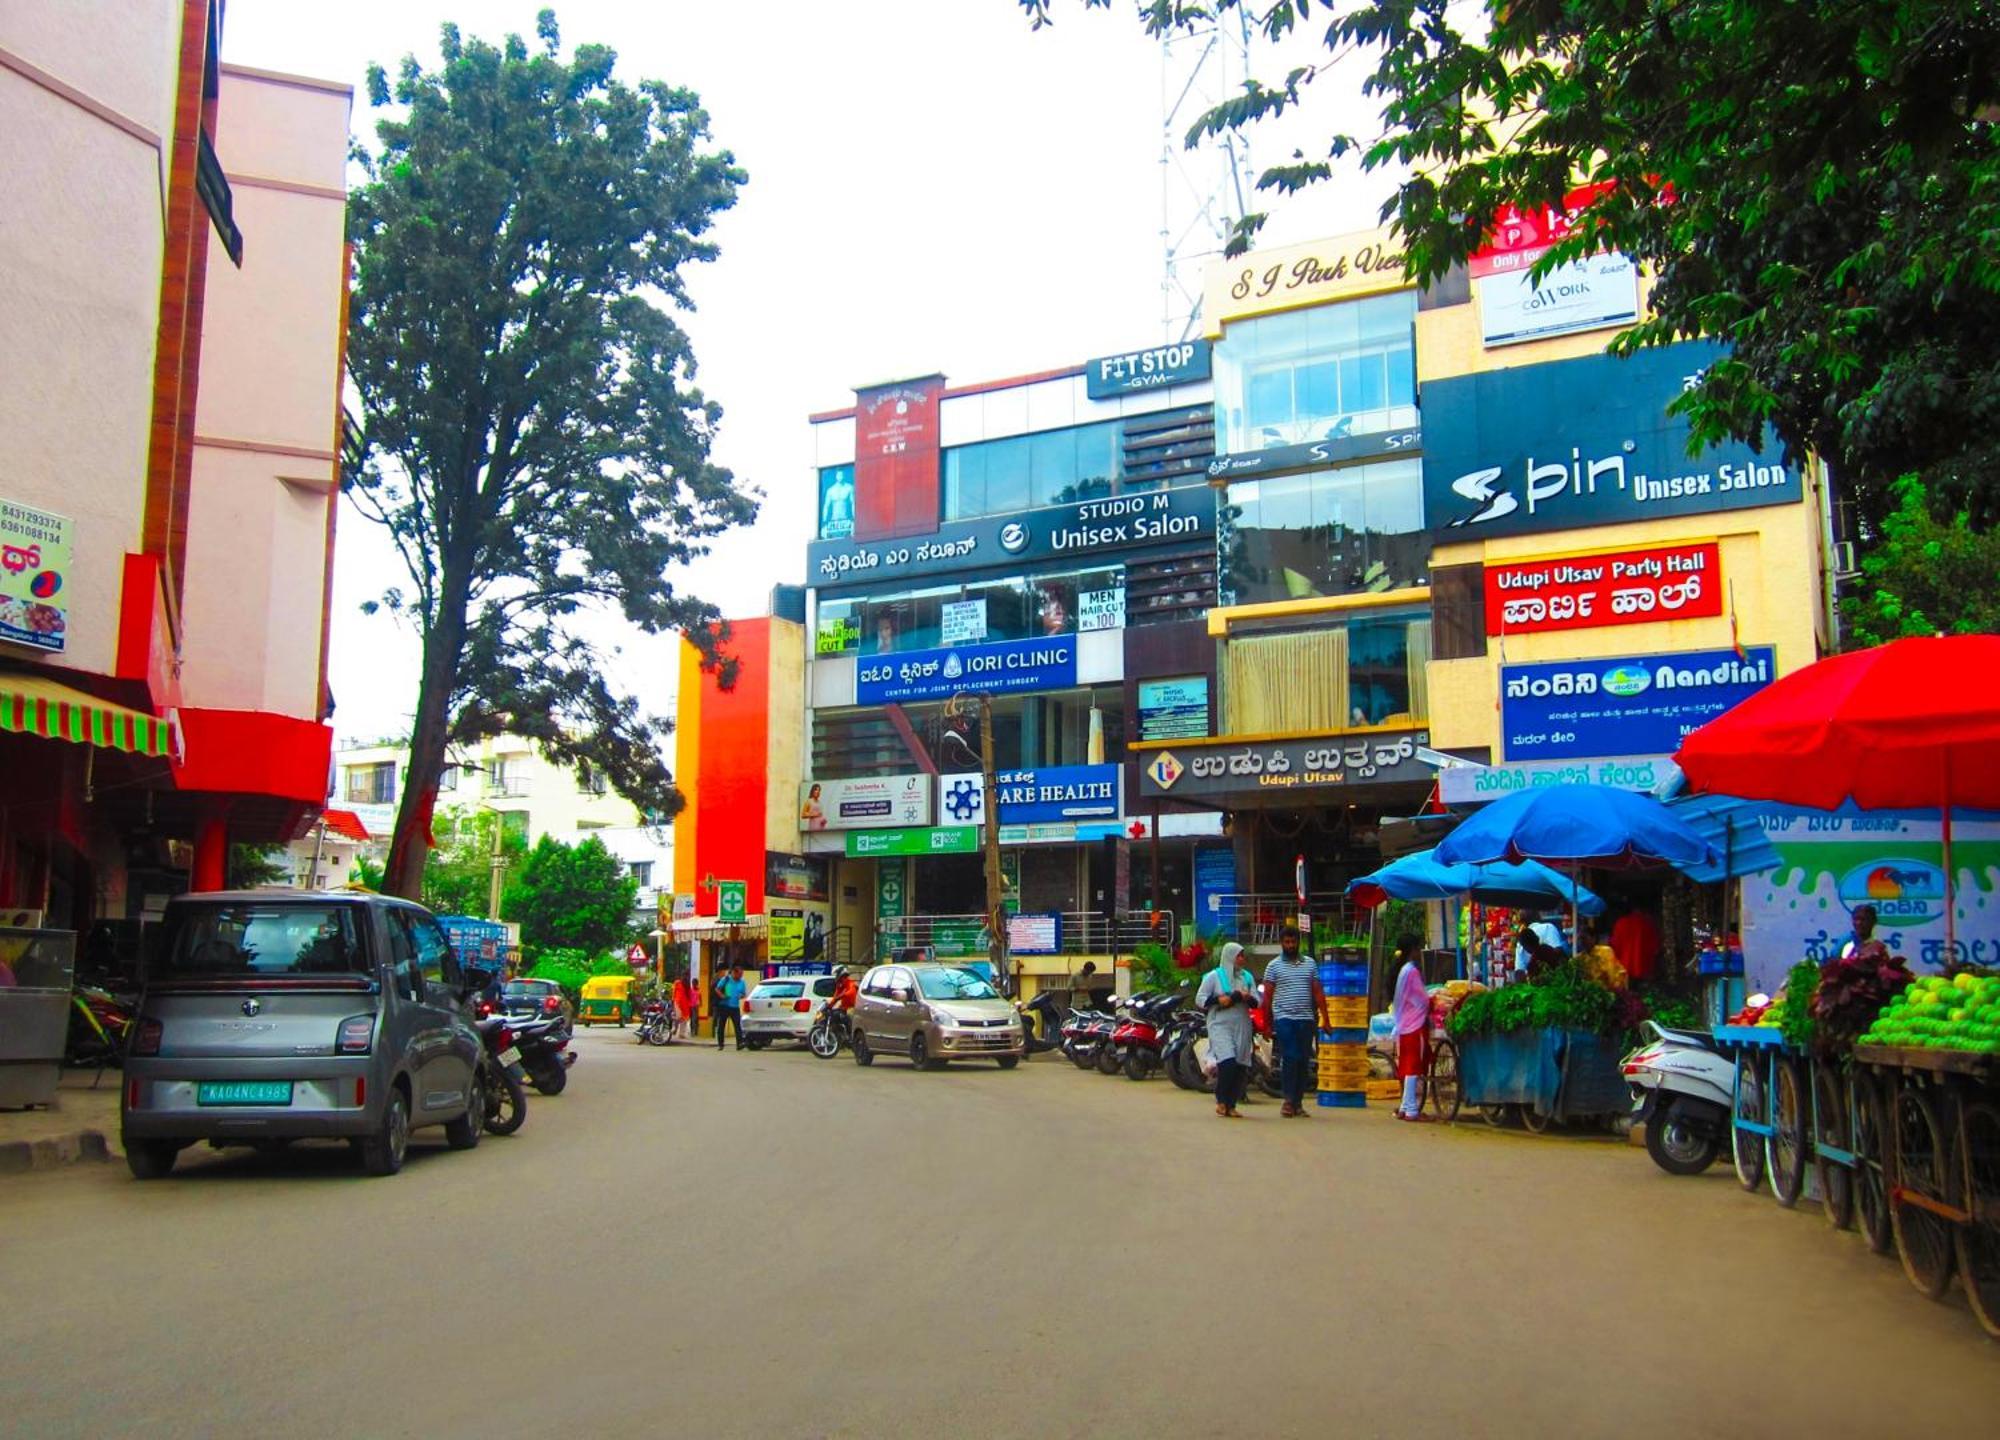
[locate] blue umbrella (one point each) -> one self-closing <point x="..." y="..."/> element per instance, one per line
<point x="1526" y="885"/>
<point x="1576" y="825"/>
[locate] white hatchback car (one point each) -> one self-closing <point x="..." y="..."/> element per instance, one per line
<point x="784" y="1009"/>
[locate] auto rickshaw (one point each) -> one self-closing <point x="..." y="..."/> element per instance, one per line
<point x="606" y="997"/>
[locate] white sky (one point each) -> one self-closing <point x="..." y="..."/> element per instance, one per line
<point x="932" y="187"/>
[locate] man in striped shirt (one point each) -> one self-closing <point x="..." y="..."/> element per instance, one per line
<point x="1295" y="1001"/>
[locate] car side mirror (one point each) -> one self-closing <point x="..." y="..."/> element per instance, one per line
<point x="900" y="996"/>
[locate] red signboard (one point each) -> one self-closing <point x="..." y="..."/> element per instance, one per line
<point x="1521" y="237"/>
<point x="1626" y="587"/>
<point x="896" y="459"/>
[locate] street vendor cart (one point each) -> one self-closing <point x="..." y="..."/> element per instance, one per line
<point x="1540" y="1077"/>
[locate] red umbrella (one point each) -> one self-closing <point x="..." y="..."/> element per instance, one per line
<point x="1911" y="724"/>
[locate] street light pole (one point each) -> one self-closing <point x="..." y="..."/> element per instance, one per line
<point x="996" y="885"/>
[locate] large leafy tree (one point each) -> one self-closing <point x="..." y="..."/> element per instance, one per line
<point x="1924" y="576"/>
<point x="1830" y="172"/>
<point x="530" y="433"/>
<point x="576" y="896"/>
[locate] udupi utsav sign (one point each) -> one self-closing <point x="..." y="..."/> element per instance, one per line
<point x="1225" y="766"/>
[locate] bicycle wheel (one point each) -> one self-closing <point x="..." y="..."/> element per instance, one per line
<point x="1534" y="1121"/>
<point x="1923" y="1165"/>
<point x="1441" y="1089"/>
<point x="1873" y="1170"/>
<point x="1787" y="1143"/>
<point x="1746" y="1147"/>
<point x="1979" y="1240"/>
<point x="1831" y="1127"/>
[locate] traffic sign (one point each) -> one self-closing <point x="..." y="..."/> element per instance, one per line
<point x="637" y="955"/>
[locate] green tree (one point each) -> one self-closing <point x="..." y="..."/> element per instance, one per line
<point x="578" y="896"/>
<point x="1816" y="182"/>
<point x="1924" y="576"/>
<point x="458" y="875"/>
<point x="250" y="866"/>
<point x="530" y="433"/>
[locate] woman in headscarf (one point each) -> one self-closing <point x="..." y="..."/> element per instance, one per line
<point x="1413" y="1029"/>
<point x="1227" y="994"/>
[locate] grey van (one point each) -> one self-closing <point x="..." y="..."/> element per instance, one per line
<point x="273" y="1015"/>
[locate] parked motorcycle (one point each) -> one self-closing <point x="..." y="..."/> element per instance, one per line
<point x="1682" y="1092"/>
<point x="832" y="1028"/>
<point x="1177" y="1055"/>
<point x="1085" y="1034"/>
<point x="656" y="1023"/>
<point x="1042" y="1018"/>
<point x="1141" y="1035"/>
<point x="500" y="1076"/>
<point x="545" y="1053"/>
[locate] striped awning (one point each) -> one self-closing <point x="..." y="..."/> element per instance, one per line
<point x="31" y="705"/>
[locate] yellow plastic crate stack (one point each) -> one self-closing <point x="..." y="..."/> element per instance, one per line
<point x="1343" y="1049"/>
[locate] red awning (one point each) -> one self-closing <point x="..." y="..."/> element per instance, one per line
<point x="345" y="822"/>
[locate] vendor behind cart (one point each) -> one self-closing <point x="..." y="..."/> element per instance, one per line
<point x="1413" y="1029"/>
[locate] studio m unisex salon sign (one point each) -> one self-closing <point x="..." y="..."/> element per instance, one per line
<point x="1083" y="529"/>
<point x="1583" y="442"/>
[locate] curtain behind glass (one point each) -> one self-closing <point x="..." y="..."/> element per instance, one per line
<point x="1278" y="684"/>
<point x="1418" y="658"/>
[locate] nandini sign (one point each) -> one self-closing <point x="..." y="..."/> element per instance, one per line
<point x="1623" y="705"/>
<point x="1005" y="667"/>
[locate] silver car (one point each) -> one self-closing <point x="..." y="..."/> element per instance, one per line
<point x="270" y="1015"/>
<point x="934" y="1014"/>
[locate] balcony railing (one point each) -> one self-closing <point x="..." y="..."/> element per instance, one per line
<point x="1081" y="932"/>
<point x="507" y="787"/>
<point x="1256" y="917"/>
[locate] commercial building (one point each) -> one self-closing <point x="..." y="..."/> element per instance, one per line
<point x="1239" y="604"/>
<point x="169" y="423"/>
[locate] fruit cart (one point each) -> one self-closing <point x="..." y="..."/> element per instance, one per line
<point x="1942" y="1109"/>
<point x="1539" y="1076"/>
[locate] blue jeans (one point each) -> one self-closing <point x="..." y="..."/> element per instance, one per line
<point x="1294" y="1048"/>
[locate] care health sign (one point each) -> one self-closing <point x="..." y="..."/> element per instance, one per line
<point x="1003" y="667"/>
<point x="1030" y="797"/>
<point x="1583" y="442"/>
<point x="1623" y="705"/>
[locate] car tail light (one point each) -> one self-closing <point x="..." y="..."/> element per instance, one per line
<point x="485" y="1008"/>
<point x="360" y="1091"/>
<point x="804" y="1007"/>
<point x="550" y="1004"/>
<point x="357" y="1033"/>
<point x="146" y="1038"/>
<point x="132" y="1095"/>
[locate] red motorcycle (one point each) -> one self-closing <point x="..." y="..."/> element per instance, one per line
<point x="1140" y="1037"/>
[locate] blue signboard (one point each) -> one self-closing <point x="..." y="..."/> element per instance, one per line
<point x="1153" y="369"/>
<point x="1033" y="797"/>
<point x="1005" y="667"/>
<point x="1623" y="705"/>
<point x="1583" y="442"/>
<point x="1214" y="883"/>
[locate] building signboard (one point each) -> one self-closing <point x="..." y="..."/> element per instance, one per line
<point x="895" y="458"/>
<point x="962" y="621"/>
<point x="1593" y="294"/>
<point x="1619" y="705"/>
<point x="1173" y="709"/>
<point x="1623" y="587"/>
<point x="876" y="803"/>
<point x="1082" y="529"/>
<point x="1154" y="369"/>
<point x="1344" y="267"/>
<point x="1521" y="237"/>
<point x="1582" y="442"/>
<point x="34" y="569"/>
<point x="1318" y="455"/>
<point x="1101" y="609"/>
<point x="794" y="877"/>
<point x="1221" y="766"/>
<point x="732" y="901"/>
<point x="1029" y="797"/>
<point x="1035" y="933"/>
<point x="1476" y="784"/>
<point x="1003" y="667"/>
<point x="836" y="635"/>
<point x="918" y="840"/>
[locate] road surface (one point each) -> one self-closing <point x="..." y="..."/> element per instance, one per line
<point x="695" y="1243"/>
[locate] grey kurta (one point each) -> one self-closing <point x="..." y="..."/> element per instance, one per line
<point x="1229" y="1029"/>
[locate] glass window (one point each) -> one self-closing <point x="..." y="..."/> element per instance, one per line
<point x="780" y="990"/>
<point x="1049" y="467"/>
<point x="954" y="985"/>
<point x="372" y="784"/>
<point x="836" y="502"/>
<point x="253" y="941"/>
<point x="1318" y="374"/>
<point x="1010" y="609"/>
<point x="434" y="958"/>
<point x="642" y="871"/>
<point x="1331" y="532"/>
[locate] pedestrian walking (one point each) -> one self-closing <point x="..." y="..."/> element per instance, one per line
<point x="687" y="999"/>
<point x="1227" y="994"/>
<point x="1413" y="1029"/>
<point x="1295" y="1002"/>
<point x="729" y="992"/>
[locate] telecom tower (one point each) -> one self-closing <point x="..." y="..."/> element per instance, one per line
<point x="1206" y="190"/>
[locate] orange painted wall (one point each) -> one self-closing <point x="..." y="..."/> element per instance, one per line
<point x="721" y="766"/>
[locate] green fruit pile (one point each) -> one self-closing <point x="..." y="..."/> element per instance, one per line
<point x="1960" y="1013"/>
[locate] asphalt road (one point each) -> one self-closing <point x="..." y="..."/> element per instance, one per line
<point x="688" y="1242"/>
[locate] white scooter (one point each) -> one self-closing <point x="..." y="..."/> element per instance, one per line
<point x="1682" y="1091"/>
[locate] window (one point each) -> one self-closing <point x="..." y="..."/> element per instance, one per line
<point x="1331" y="532"/>
<point x="642" y="871"/>
<point x="403" y="960"/>
<point x="1050" y="467"/>
<point x="781" y="990"/>
<point x="588" y="780"/>
<point x="876" y="982"/>
<point x="256" y="941"/>
<point x="1369" y="671"/>
<point x="373" y="783"/>
<point x="514" y="823"/>
<point x="1029" y="731"/>
<point x="435" y="962"/>
<point x="1317" y="374"/>
<point x="955" y="985"/>
<point x="836" y="502"/>
<point x="1019" y="608"/>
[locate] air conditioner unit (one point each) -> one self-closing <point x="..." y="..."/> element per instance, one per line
<point x="1843" y="559"/>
